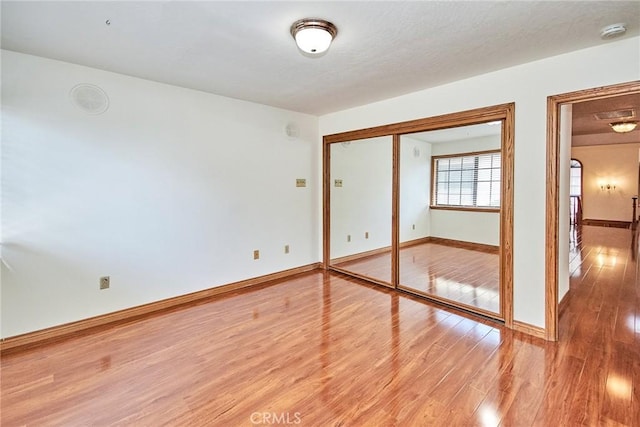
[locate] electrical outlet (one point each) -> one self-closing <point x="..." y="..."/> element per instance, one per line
<point x="256" y="254"/>
<point x="286" y="249"/>
<point x="337" y="183"/>
<point x="105" y="282"/>
<point x="348" y="237"/>
<point x="301" y="182"/>
<point x="366" y="234"/>
<point x="413" y="227"/>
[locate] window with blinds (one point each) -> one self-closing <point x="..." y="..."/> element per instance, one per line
<point x="467" y="180"/>
<point x="575" y="178"/>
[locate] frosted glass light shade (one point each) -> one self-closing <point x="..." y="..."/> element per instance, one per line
<point x="313" y="36"/>
<point x="623" y="127"/>
<point x="313" y="40"/>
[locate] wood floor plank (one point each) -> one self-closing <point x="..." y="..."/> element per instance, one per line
<point x="435" y="269"/>
<point x="322" y="349"/>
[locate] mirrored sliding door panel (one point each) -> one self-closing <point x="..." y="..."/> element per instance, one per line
<point x="449" y="219"/>
<point x="361" y="204"/>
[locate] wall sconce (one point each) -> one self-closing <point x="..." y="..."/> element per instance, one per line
<point x="607" y="187"/>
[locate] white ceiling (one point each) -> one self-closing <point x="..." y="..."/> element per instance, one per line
<point x="244" y="50"/>
<point x="588" y="130"/>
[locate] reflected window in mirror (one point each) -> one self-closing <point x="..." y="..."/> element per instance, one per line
<point x="467" y="181"/>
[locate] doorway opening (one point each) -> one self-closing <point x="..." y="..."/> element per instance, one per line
<point x="558" y="220"/>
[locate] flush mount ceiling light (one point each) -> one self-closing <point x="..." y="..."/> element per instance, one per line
<point x="611" y="31"/>
<point x="623" y="127"/>
<point x="313" y="36"/>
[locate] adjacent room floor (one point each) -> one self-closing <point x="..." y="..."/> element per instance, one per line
<point x="321" y="349"/>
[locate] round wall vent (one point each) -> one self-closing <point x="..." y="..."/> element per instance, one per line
<point x="292" y="130"/>
<point x="611" y="31"/>
<point x="89" y="98"/>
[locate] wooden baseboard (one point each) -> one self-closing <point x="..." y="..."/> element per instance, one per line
<point x="360" y="255"/>
<point x="361" y="277"/>
<point x="606" y="223"/>
<point x="528" y="329"/>
<point x="437" y="240"/>
<point x="562" y="305"/>
<point x="420" y="241"/>
<point x="455" y="305"/>
<point x="68" y="330"/>
<point x="465" y="245"/>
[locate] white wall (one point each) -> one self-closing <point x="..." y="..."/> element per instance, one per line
<point x="168" y="192"/>
<point x="527" y="85"/>
<point x="363" y="203"/>
<point x="564" y="209"/>
<point x="470" y="145"/>
<point x="601" y="164"/>
<point x="171" y="190"/>
<point x="415" y="189"/>
<point x="475" y="227"/>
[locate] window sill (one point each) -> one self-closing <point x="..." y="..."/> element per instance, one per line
<point x="464" y="208"/>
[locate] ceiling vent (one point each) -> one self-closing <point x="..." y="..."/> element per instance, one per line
<point x="89" y="98"/>
<point x="616" y="115"/>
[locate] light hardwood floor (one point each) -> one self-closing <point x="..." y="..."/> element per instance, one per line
<point x="456" y="274"/>
<point x="461" y="275"/>
<point x="323" y="350"/>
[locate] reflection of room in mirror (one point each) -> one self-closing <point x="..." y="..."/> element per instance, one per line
<point x="450" y="250"/>
<point x="360" y="200"/>
<point x="467" y="276"/>
<point x="424" y="207"/>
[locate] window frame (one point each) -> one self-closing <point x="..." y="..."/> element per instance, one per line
<point x="434" y="183"/>
<point x="581" y="167"/>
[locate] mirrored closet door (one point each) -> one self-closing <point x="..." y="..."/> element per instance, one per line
<point x="426" y="206"/>
<point x="360" y="199"/>
<point x="450" y="191"/>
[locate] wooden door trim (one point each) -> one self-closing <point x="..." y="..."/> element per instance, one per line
<point x="552" y="190"/>
<point x="326" y="203"/>
<point x="395" y="213"/>
<point x="506" y="215"/>
<point x="461" y="118"/>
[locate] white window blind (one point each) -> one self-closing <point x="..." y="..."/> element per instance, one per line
<point x="468" y="181"/>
